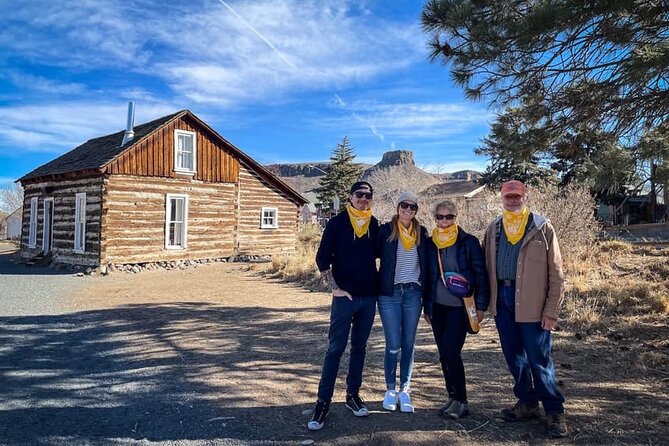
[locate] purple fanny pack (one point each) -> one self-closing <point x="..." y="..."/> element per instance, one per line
<point x="458" y="285"/>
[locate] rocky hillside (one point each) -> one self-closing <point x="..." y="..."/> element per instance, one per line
<point x="305" y="177"/>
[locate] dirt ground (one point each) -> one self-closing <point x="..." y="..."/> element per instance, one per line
<point x="254" y="348"/>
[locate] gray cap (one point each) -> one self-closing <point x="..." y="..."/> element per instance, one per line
<point x="407" y="196"/>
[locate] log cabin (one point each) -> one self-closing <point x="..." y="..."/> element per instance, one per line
<point x="169" y="189"/>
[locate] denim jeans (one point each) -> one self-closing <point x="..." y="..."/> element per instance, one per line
<point x="400" y="314"/>
<point x="347" y="316"/>
<point x="449" y="325"/>
<point x="527" y="349"/>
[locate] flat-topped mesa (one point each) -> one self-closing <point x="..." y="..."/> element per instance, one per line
<point x="396" y="158"/>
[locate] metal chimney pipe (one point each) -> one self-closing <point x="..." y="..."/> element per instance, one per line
<point x="129" y="133"/>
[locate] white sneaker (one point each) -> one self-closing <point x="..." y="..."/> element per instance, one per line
<point x="405" y="402"/>
<point x="390" y="400"/>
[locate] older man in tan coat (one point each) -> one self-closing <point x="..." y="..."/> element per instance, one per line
<point x="526" y="288"/>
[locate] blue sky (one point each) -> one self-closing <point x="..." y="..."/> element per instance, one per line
<point x="283" y="80"/>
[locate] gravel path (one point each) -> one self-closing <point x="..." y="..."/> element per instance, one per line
<point x="33" y="290"/>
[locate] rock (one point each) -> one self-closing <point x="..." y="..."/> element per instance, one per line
<point x="135" y="269"/>
<point x="397" y="157"/>
<point x="88" y="271"/>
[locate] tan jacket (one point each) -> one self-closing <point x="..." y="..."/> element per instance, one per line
<point x="539" y="276"/>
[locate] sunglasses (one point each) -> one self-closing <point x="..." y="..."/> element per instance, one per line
<point x="405" y="205"/>
<point x="447" y="216"/>
<point x="367" y="195"/>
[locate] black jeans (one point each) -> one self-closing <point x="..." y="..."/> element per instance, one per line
<point x="449" y="325"/>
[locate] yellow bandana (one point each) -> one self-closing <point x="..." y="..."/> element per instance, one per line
<point x="359" y="220"/>
<point x="445" y="237"/>
<point x="514" y="224"/>
<point x="407" y="235"/>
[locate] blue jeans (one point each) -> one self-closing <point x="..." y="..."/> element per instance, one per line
<point x="400" y="314"/>
<point x="355" y="317"/>
<point x="527" y="349"/>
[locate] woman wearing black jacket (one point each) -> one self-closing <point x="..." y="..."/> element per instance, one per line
<point x="452" y="250"/>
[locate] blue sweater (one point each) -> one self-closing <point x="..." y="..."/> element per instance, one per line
<point x="351" y="259"/>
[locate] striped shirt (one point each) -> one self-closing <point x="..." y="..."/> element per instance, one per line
<point x="407" y="268"/>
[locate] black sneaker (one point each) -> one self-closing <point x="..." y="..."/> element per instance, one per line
<point x="321" y="412"/>
<point x="355" y="404"/>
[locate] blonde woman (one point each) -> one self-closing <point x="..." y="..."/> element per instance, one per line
<point x="453" y="251"/>
<point x="402" y="247"/>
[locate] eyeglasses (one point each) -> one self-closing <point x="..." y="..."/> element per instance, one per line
<point x="447" y="216"/>
<point x="405" y="205"/>
<point x="367" y="195"/>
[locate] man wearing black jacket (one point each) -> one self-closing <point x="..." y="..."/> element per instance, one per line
<point x="346" y="259"/>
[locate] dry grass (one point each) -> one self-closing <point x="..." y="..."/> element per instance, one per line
<point x="615" y="246"/>
<point x="301" y="266"/>
<point x="608" y="280"/>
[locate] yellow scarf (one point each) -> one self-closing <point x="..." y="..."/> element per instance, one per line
<point x="445" y="237"/>
<point x="407" y="235"/>
<point x="514" y="224"/>
<point x="359" y="220"/>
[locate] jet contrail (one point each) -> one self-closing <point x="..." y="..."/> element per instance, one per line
<point x="281" y="55"/>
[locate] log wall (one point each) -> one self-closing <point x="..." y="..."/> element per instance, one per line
<point x="133" y="219"/>
<point x="254" y="194"/>
<point x="63" y="193"/>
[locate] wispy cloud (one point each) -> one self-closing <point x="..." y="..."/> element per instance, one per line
<point x="341" y="104"/>
<point x="217" y="52"/>
<point x="43" y="85"/>
<point x="257" y="33"/>
<point x="410" y="120"/>
<point x="56" y="127"/>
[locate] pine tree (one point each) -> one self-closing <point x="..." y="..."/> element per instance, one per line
<point x="511" y="149"/>
<point x="339" y="177"/>
<point x="601" y="63"/>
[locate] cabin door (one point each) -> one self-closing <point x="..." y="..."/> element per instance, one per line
<point x="47" y="240"/>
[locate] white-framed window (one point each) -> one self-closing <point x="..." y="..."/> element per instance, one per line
<point x="269" y="218"/>
<point x="80" y="223"/>
<point x="176" y="221"/>
<point x="185" y="151"/>
<point x="32" y="228"/>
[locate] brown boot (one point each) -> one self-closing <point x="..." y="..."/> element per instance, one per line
<point x="557" y="426"/>
<point x="520" y="411"/>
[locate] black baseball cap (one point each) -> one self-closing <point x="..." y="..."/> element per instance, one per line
<point x="360" y="184"/>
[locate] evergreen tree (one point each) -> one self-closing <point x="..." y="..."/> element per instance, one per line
<point x="601" y="63"/>
<point x="512" y="150"/>
<point x="339" y="177"/>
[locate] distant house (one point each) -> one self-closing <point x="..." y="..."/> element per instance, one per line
<point x="11" y="226"/>
<point x="457" y="190"/>
<point x="169" y="189"/>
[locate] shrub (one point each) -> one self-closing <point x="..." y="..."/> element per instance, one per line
<point x="570" y="210"/>
<point x="301" y="266"/>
